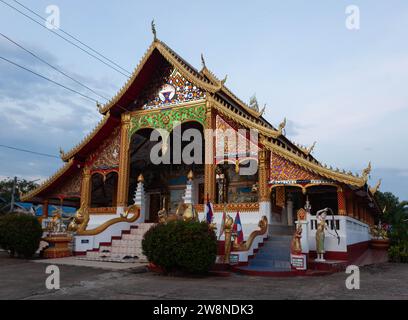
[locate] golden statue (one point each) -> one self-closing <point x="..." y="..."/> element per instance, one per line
<point x="320" y="234"/>
<point x="296" y="246"/>
<point x="228" y="224"/>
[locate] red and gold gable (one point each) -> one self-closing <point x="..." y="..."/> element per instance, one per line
<point x="242" y="147"/>
<point x="284" y="170"/>
<point x="168" y="87"/>
<point x="106" y="156"/>
<point x="70" y="188"/>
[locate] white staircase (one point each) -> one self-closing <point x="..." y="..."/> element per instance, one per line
<point x="126" y="248"/>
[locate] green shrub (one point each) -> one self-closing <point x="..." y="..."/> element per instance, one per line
<point x="20" y="234"/>
<point x="181" y="246"/>
<point x="398" y="253"/>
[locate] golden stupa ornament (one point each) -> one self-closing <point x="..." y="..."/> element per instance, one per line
<point x="140" y="178"/>
<point x="190" y="175"/>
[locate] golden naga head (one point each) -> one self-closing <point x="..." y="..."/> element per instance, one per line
<point x="374" y="189"/>
<point x="367" y="171"/>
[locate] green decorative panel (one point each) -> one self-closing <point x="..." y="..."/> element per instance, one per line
<point x="165" y="119"/>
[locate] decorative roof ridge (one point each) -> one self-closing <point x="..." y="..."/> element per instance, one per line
<point x="65" y="156"/>
<point x="317" y="167"/>
<point x="243" y="118"/>
<point x="374" y="189"/>
<point x="305" y="149"/>
<point x="211" y="75"/>
<point x="130" y="80"/>
<point x="192" y="74"/>
<point x="48" y="182"/>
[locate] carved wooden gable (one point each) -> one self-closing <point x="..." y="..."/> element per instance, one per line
<point x="106" y="156"/>
<point x="284" y="170"/>
<point x="168" y="87"/>
<point x="71" y="188"/>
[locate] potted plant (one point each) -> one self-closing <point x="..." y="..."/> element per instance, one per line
<point x="379" y="236"/>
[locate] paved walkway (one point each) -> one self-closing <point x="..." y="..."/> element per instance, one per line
<point x="73" y="261"/>
<point x="22" y="279"/>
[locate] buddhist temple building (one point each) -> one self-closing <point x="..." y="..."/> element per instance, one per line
<point x="264" y="174"/>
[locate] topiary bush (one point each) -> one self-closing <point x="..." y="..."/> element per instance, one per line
<point x="20" y="234"/>
<point x="181" y="246"/>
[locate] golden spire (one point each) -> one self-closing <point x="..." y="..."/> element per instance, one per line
<point x="154" y="30"/>
<point x="140" y="178"/>
<point x="190" y="175"/>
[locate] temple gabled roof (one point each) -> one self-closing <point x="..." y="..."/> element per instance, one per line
<point x="223" y="100"/>
<point x="51" y="181"/>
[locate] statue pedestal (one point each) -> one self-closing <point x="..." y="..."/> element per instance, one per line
<point x="58" y="246"/>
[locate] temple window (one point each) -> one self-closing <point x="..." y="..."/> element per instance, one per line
<point x="104" y="189"/>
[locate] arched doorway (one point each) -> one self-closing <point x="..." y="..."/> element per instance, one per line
<point x="104" y="190"/>
<point x="166" y="182"/>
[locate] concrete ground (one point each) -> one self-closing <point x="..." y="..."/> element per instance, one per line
<point x="21" y="279"/>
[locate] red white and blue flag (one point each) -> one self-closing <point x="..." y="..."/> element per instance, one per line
<point x="237" y="229"/>
<point x="209" y="211"/>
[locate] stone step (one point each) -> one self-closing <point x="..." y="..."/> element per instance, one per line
<point x="279" y="264"/>
<point x="127" y="248"/>
<point x="274" y="229"/>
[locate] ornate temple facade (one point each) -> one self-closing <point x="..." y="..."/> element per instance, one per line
<point x="103" y="172"/>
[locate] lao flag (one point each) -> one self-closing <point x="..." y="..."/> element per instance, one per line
<point x="209" y="212"/>
<point x="238" y="229"/>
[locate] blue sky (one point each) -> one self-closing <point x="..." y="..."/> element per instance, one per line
<point x="344" y="89"/>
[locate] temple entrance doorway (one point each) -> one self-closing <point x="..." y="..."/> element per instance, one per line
<point x="165" y="183"/>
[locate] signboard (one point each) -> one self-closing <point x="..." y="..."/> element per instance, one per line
<point x="234" y="259"/>
<point x="298" y="261"/>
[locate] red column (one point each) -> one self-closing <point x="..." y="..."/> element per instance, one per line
<point x="45" y="209"/>
<point x="341" y="201"/>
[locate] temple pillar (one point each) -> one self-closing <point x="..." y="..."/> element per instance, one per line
<point x="86" y="188"/>
<point x="124" y="163"/>
<point x="341" y="201"/>
<point x="289" y="211"/>
<point x="264" y="192"/>
<point x="45" y="208"/>
<point x="349" y="204"/>
<point x="209" y="166"/>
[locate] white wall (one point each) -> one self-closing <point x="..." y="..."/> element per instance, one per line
<point x="350" y="230"/>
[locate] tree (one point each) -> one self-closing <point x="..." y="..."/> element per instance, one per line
<point x="388" y="201"/>
<point x="23" y="185"/>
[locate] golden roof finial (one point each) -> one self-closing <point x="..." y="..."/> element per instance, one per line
<point x="99" y="107"/>
<point x="366" y="172"/>
<point x="154" y="30"/>
<point x="61" y="152"/>
<point x="374" y="189"/>
<point x="140" y="178"/>
<point x="190" y="175"/>
<point x="311" y="148"/>
<point x="203" y="61"/>
<point x="282" y="126"/>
